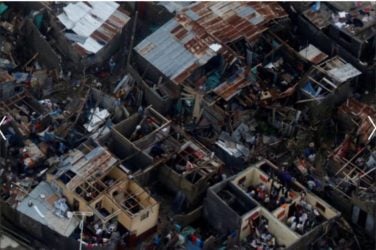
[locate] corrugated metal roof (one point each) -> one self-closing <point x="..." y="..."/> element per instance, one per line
<point x="344" y="72"/>
<point x="339" y="69"/>
<point x="313" y="54"/>
<point x="167" y="53"/>
<point x="63" y="226"/>
<point x="182" y="44"/>
<point x="98" y="22"/>
<point x="174" y="6"/>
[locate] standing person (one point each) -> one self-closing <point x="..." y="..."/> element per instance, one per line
<point x="112" y="65"/>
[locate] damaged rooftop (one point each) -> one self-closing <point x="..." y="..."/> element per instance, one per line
<point x="188" y="125"/>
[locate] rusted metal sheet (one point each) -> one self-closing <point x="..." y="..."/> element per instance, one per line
<point x="97" y="22"/>
<point x="188" y="36"/>
<point x="227" y="90"/>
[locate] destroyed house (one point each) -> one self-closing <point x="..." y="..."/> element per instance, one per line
<point x="352" y="161"/>
<point x="353" y="115"/>
<point x="350" y="26"/>
<point x="190" y="169"/>
<point x="285" y="119"/>
<point x="90" y="113"/>
<point x="279" y="71"/>
<point x="91" y="181"/>
<point x="202" y="37"/>
<point x="329" y="81"/>
<point x="149" y="142"/>
<point x="297" y="43"/>
<point x="354" y="167"/>
<point x="271" y="70"/>
<point x="296" y="217"/>
<point x="144" y="128"/>
<point x="87" y="32"/>
<point x="19" y="109"/>
<point x="271" y="75"/>
<point x="131" y="139"/>
<point x="352" y="164"/>
<point x="199" y="36"/>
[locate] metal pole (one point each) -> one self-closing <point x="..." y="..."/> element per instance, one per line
<point x="82" y="230"/>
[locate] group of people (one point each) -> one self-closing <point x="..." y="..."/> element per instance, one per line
<point x="260" y="237"/>
<point x="271" y="199"/>
<point x="304" y="217"/>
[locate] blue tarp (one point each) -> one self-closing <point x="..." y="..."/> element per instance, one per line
<point x="21" y="77"/>
<point x="38" y="19"/>
<point x="3" y="8"/>
<point x="308" y="88"/>
<point x="213" y="81"/>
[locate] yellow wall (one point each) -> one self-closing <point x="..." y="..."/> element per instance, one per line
<point x="117" y="174"/>
<point x="132" y="223"/>
<point x="329" y="212"/>
<point x="253" y="176"/>
<point x="280" y="231"/>
<point x="245" y="229"/>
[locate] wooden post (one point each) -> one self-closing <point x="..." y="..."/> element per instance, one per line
<point x="132" y="40"/>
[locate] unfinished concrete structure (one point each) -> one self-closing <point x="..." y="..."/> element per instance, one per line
<point x="91" y="180"/>
<point x="130" y="139"/>
<point x="190" y="169"/>
<point x="150" y="148"/>
<point x="231" y="206"/>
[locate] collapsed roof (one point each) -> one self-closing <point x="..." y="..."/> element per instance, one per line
<point x="200" y="31"/>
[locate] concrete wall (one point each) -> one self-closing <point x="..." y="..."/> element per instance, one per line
<point x="354" y="46"/>
<point x="47" y="55"/>
<point x="189" y="218"/>
<point x="370" y="208"/>
<point x="35" y="232"/>
<point x="158" y="102"/>
<point x="61" y="44"/>
<point x="251" y="176"/>
<point x="117" y="145"/>
<point x="245" y="226"/>
<point x="305" y="241"/>
<point x="316" y="202"/>
<point x="127" y="127"/>
<point x="130" y="156"/>
<point x="177" y="182"/>
<point x="327" y="45"/>
<point x="280" y="231"/>
<point x="219" y="215"/>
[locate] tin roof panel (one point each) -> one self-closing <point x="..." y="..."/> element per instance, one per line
<point x="185" y="39"/>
